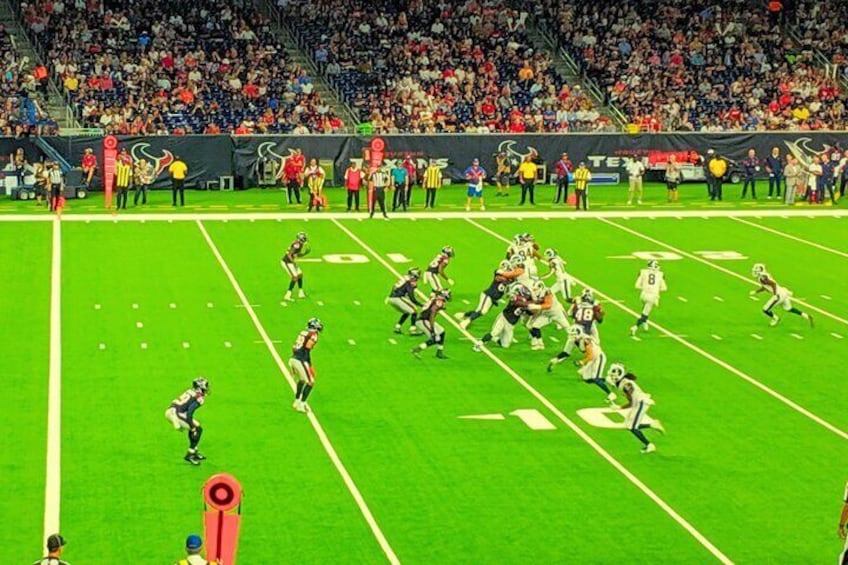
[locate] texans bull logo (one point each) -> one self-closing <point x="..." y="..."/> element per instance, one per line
<point x="139" y="151"/>
<point x="515" y="157"/>
<point x="802" y="151"/>
<point x="266" y="152"/>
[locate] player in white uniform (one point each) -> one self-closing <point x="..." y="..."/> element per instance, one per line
<point x="650" y="283"/>
<point x="524" y="244"/>
<point x="544" y="309"/>
<point x="780" y="296"/>
<point x="638" y="403"/>
<point x="591" y="366"/>
<point x="843" y="518"/>
<point x="563" y="283"/>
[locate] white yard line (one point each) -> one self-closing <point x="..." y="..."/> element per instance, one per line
<point x="313" y="419"/>
<point x="703" y="353"/>
<point x="792" y="237"/>
<point x="724" y="270"/>
<point x="459" y="215"/>
<point x="53" y="468"/>
<point x="717" y="553"/>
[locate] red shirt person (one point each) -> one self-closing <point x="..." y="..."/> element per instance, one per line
<point x="353" y="182"/>
<point x="89" y="166"/>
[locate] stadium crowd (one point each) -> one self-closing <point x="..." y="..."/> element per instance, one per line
<point x="416" y="66"/>
<point x="686" y="65"/>
<point x="23" y="111"/>
<point x="153" y="67"/>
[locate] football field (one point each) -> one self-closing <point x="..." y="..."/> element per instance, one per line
<point x="484" y="457"/>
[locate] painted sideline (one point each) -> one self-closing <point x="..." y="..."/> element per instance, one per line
<point x="53" y="471"/>
<point x="459" y="215"/>
<point x="717" y="553"/>
<point x="316" y="425"/>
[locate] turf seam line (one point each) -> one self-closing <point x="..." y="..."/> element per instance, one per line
<point x="313" y="419"/>
<point x="707" y="355"/>
<point x="792" y="237"/>
<point x="565" y="419"/>
<point x="714" y="266"/>
<point x="53" y="471"/>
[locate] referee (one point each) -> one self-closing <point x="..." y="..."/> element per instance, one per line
<point x="56" y="182"/>
<point x="432" y="182"/>
<point x="178" y="170"/>
<point x="582" y="176"/>
<point x="55" y="548"/>
<point x="379" y="180"/>
<point x="123" y="175"/>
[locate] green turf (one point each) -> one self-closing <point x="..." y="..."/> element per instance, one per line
<point x="757" y="478"/>
<point x="450" y="198"/>
<point x="24" y="333"/>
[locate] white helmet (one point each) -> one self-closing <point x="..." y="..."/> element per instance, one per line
<point x="758" y="270"/>
<point x="575" y="332"/>
<point x="538" y="289"/>
<point x="654" y="265"/>
<point x="616" y="372"/>
<point x="504" y="265"/>
<point x="587" y="296"/>
<point x="550" y="253"/>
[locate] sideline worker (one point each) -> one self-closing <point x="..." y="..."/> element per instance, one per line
<point x="178" y="170"/>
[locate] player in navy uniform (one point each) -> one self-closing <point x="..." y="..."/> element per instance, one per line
<point x="495" y="291"/>
<point x="638" y="403"/>
<point x="298" y="248"/>
<point x="181" y="415"/>
<point x="504" y="325"/>
<point x="402" y="298"/>
<point x="436" y="269"/>
<point x="587" y="313"/>
<point x="300" y="363"/>
<point x="779" y="295"/>
<point x="430" y="327"/>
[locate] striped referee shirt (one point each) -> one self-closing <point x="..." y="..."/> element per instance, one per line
<point x="56" y="175"/>
<point x="123" y="172"/>
<point x="380" y="178"/>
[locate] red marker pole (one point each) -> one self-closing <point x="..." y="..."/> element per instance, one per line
<point x="222" y="517"/>
<point x="110" y="156"/>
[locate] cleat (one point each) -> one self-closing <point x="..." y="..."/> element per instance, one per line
<point x="465" y="323"/>
<point x="552" y="363"/>
<point x="397" y="329"/>
<point x="810" y="319"/>
<point x="650" y="448"/>
<point x="416" y="351"/>
<point x="288" y="296"/>
<point x="414" y="331"/>
<point x="191" y="459"/>
<point x="441" y="354"/>
<point x="304" y="407"/>
<point x="611" y="399"/>
<point x="199" y="456"/>
<point x="774" y="320"/>
<point x="301" y="294"/>
<point x="296" y="405"/>
<point x="478" y="346"/>
<point x="657" y="425"/>
<point x="633" y="330"/>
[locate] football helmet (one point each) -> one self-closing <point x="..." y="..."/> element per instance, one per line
<point x="200" y="384"/>
<point x="538" y="289"/>
<point x="587" y="296"/>
<point x="525" y="237"/>
<point x="315" y="324"/>
<point x="758" y="270"/>
<point x="447" y="250"/>
<point x="414" y="273"/>
<point x="444" y="294"/>
<point x="302" y="237"/>
<point x="575" y="332"/>
<point x="521" y="291"/>
<point x="654" y="265"/>
<point x="517" y="238"/>
<point x="550" y="253"/>
<point x="516" y="261"/>
<point x="504" y="265"/>
<point x="616" y="372"/>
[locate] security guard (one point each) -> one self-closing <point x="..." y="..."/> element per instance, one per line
<point x="717" y="168"/>
<point x="55" y="548"/>
<point x="194" y="545"/>
<point x="527" y="178"/>
<point x="178" y="170"/>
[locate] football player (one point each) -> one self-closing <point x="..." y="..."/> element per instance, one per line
<point x="544" y="309"/>
<point x="650" y="283"/>
<point x="300" y="363"/>
<point x="588" y="313"/>
<point x="556" y="266"/>
<point x="638" y="403"/>
<point x="298" y="248"/>
<point x="402" y="298"/>
<point x="779" y="295"/>
<point x="495" y="291"/>
<point x="430" y="327"/>
<point x="526" y="244"/>
<point x="843" y="518"/>
<point x="181" y="415"/>
<point x="436" y="269"/>
<point x="504" y="325"/>
<point x="591" y="366"/>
